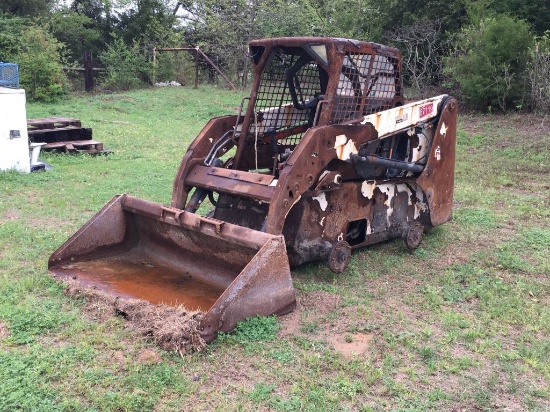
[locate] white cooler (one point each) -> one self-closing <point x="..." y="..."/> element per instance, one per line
<point x="14" y="140"/>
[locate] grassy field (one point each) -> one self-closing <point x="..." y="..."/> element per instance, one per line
<point x="461" y="325"/>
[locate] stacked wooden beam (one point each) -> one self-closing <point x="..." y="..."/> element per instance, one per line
<point x="63" y="134"/>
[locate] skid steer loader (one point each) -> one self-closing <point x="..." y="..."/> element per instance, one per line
<point x="323" y="157"/>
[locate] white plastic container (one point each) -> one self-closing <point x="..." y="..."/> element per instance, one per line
<point x="14" y="140"/>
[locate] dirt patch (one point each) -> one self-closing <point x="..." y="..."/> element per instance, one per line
<point x="171" y="328"/>
<point x="317" y="308"/>
<point x="319" y="303"/>
<point x="9" y="216"/>
<point x="4" y="331"/>
<point x="351" y="345"/>
<point x="148" y="356"/>
<point x="332" y="321"/>
<point x="119" y="358"/>
<point x="290" y="323"/>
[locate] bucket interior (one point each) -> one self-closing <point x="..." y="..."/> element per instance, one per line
<point x="160" y="263"/>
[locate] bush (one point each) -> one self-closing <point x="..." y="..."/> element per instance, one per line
<point x="175" y="66"/>
<point x="40" y="59"/>
<point x="490" y="63"/>
<point x="10" y="35"/>
<point x="126" y="67"/>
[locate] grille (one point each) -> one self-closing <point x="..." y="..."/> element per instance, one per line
<point x="367" y="85"/>
<point x="276" y="111"/>
<point x="9" y="75"/>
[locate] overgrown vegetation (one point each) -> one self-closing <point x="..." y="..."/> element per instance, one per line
<point x="126" y="67"/>
<point x="490" y="63"/>
<point x="461" y="324"/>
<point x="494" y="55"/>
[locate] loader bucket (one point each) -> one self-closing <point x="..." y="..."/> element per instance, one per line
<point x="138" y="249"/>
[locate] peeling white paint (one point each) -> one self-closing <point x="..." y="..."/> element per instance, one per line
<point x="340" y="237"/>
<point x="367" y="188"/>
<point x="326" y="172"/>
<point x="369" y="229"/>
<point x="419" y="152"/>
<point x="344" y="147"/>
<point x="210" y="140"/>
<point x="322" y="220"/>
<point x="322" y="199"/>
<point x="387" y="190"/>
<point x="337" y="179"/>
<point x="386" y="122"/>
<point x="273" y="183"/>
<point x="341" y="140"/>
<point x="443" y="130"/>
<point x="349" y="149"/>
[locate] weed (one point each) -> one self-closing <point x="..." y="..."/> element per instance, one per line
<point x="261" y="392"/>
<point x="256" y="329"/>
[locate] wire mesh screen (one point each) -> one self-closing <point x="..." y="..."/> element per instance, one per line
<point x="367" y="85"/>
<point x="9" y="75"/>
<point x="288" y="84"/>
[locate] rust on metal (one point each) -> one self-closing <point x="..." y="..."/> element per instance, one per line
<point x="323" y="158"/>
<point x="130" y="275"/>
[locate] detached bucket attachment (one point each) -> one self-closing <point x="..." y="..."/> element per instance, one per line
<point x="138" y="249"/>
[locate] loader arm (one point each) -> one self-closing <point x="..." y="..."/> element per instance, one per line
<point x="196" y="154"/>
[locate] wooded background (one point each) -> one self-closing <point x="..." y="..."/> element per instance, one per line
<point x="492" y="54"/>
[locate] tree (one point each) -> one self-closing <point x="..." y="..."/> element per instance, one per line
<point x="398" y="13"/>
<point x="423" y="46"/>
<point x="76" y="31"/>
<point x="223" y="28"/>
<point x="287" y="18"/>
<point x="148" y="23"/>
<point x="11" y="28"/>
<point x="490" y="61"/>
<point x="535" y="12"/>
<point x="26" y="8"/>
<point x="358" y="19"/>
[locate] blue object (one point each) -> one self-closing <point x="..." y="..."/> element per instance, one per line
<point x="9" y="75"/>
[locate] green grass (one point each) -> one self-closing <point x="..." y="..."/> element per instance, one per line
<point x="461" y="324"/>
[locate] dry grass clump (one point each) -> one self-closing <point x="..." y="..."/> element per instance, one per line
<point x="171" y="328"/>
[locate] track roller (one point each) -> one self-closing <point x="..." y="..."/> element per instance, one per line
<point x="339" y="256"/>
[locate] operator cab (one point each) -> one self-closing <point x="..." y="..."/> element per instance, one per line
<point x="301" y="83"/>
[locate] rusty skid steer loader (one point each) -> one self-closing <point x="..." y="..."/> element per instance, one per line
<point x="324" y="157"/>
